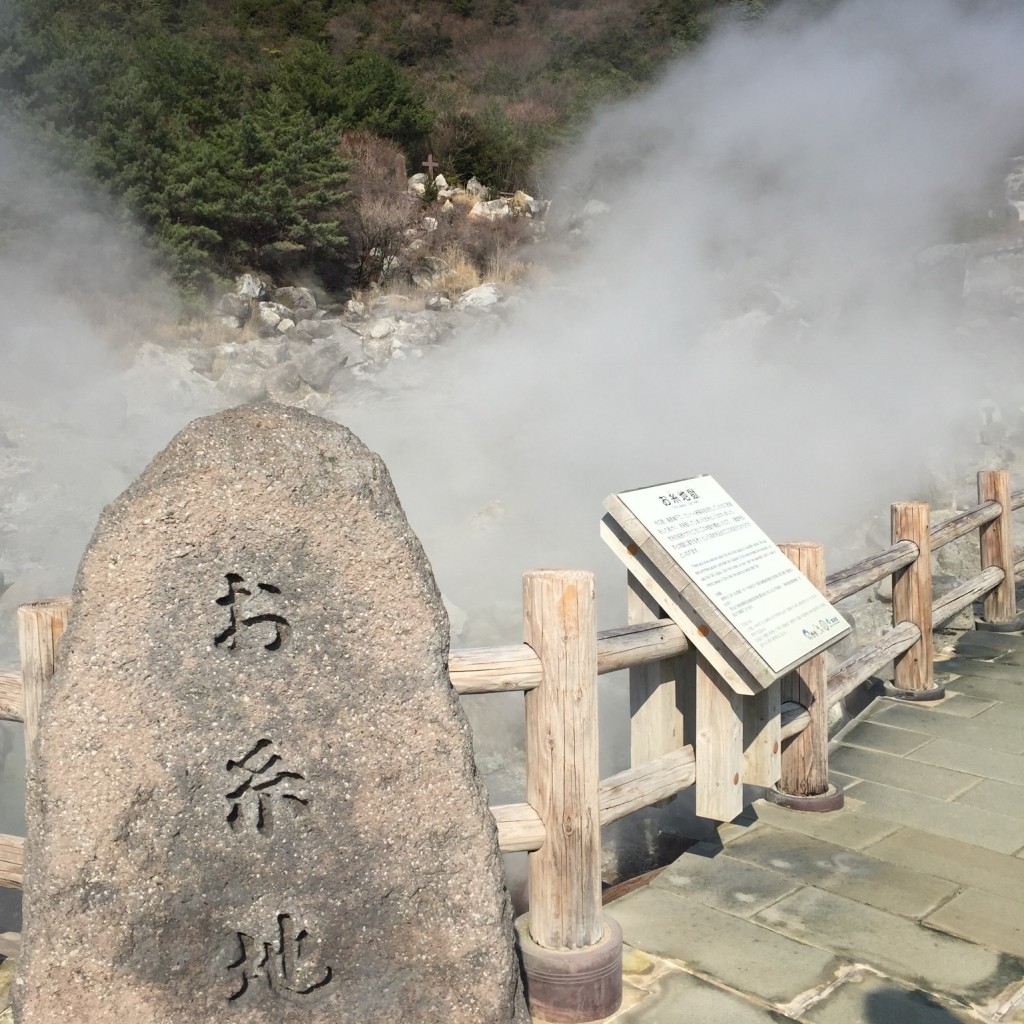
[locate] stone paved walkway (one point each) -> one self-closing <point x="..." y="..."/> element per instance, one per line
<point x="905" y="907"/>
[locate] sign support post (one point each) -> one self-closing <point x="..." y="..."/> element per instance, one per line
<point x="750" y="615"/>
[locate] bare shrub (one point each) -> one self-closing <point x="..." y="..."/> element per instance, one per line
<point x="382" y="209"/>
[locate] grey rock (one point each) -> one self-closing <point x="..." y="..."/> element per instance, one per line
<point x="481" y="297"/>
<point x="299" y="300"/>
<point x="427" y="270"/>
<point x="418" y="331"/>
<point x="315" y="328"/>
<point x="494" y="209"/>
<point x="254" y="794"/>
<point x="378" y="349"/>
<point x="242" y="382"/>
<point x="265" y="354"/>
<point x="252" y="286"/>
<point x="318" y="362"/>
<point x="235" y="305"/>
<point x="438" y="302"/>
<point x="284" y="384"/>
<point x="265" y="318"/>
<point x="382" y="328"/>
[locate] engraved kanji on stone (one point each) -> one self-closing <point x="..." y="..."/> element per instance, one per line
<point x="280" y="967"/>
<point x="261" y="784"/>
<point x="249" y="608"/>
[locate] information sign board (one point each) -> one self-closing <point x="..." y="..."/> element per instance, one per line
<point x="775" y="610"/>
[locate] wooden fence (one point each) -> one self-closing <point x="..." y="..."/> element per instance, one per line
<point x="673" y="743"/>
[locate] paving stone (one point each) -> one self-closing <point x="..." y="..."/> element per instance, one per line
<point x="986" y="828"/>
<point x="960" y="705"/>
<point x="902" y="948"/>
<point x="996" y="921"/>
<point x="980" y="643"/>
<point x="954" y="859"/>
<point x="869" y="999"/>
<point x="964" y="730"/>
<point x="847" y="782"/>
<point x="851" y="827"/>
<point x="735" y="886"/>
<point x="1011" y="715"/>
<point x="988" y="682"/>
<point x="1001" y="797"/>
<point x="874" y="766"/>
<point x="868" y="879"/>
<point x="992" y="764"/>
<point x="736" y="951"/>
<point x="681" y="996"/>
<point x="880" y="737"/>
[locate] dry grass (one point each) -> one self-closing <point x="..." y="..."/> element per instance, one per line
<point x="461" y="275"/>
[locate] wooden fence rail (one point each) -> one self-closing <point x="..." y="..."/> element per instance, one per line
<point x="556" y="667"/>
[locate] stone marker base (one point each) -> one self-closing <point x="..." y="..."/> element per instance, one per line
<point x="831" y="800"/>
<point x="571" y="986"/>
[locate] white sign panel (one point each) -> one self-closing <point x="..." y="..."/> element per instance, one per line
<point x="773" y="606"/>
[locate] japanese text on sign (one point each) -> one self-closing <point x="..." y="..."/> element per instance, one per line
<point x="773" y="606"/>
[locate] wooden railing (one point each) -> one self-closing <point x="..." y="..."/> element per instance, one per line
<point x="557" y="664"/>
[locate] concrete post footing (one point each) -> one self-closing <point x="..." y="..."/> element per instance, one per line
<point x="831" y="800"/>
<point x="568" y="986"/>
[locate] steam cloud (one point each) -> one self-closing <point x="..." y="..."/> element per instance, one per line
<point x="763" y="300"/>
<point x="760" y="301"/>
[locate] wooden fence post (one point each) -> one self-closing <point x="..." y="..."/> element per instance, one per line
<point x="997" y="547"/>
<point x="572" y="956"/>
<point x="40" y="626"/>
<point x="804" y="784"/>
<point x="914" y="677"/>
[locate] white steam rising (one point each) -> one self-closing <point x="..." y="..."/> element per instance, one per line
<point x="764" y="301"/>
<point x="77" y="421"/>
<point x="759" y="302"/>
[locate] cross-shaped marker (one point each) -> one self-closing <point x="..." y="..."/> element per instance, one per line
<point x="430" y="165"/>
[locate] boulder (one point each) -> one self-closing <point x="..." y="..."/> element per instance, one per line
<point x="264" y="354"/>
<point x="299" y="300"/>
<point x="253" y="797"/>
<point x="382" y="328"/>
<point x="428" y="270"/>
<point x="378" y="350"/>
<point x="252" y="286"/>
<point x="265" y="318"/>
<point x="474" y="188"/>
<point x="495" y="209"/>
<point x="242" y="382"/>
<point x="235" y="305"/>
<point x="318" y="362"/>
<point x="481" y="297"/>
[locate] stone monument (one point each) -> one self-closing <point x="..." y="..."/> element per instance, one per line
<point x="253" y="796"/>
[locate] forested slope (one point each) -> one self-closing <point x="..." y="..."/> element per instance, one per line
<point x="221" y="125"/>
